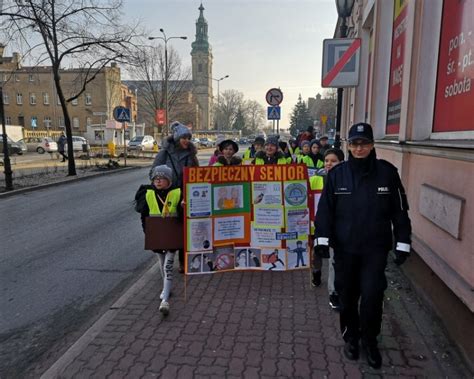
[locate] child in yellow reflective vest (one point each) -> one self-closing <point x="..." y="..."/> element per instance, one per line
<point x="161" y="199"/>
<point x="332" y="157"/>
<point x="271" y="155"/>
<point x="228" y="157"/>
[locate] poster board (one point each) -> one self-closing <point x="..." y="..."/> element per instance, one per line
<point x="247" y="217"/>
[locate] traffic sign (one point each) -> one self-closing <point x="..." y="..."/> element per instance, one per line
<point x="341" y="62"/>
<point x="274" y="96"/>
<point x="160" y="116"/>
<point x="273" y="113"/>
<point x="121" y="114"/>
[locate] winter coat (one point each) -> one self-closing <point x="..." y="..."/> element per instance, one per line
<point x="261" y="158"/>
<point x="358" y="208"/>
<point x="61" y="143"/>
<point x="176" y="159"/>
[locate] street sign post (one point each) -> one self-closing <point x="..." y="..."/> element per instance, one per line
<point x="341" y="62"/>
<point x="122" y="114"/>
<point x="274" y="113"/>
<point x="274" y="96"/>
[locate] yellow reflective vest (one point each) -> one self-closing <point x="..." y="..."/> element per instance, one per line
<point x="260" y="161"/>
<point x="170" y="208"/>
<point x="306" y="159"/>
<point x="316" y="183"/>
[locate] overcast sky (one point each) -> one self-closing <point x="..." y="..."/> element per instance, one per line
<point x="260" y="44"/>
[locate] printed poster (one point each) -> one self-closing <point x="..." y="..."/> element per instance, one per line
<point x="297" y="254"/>
<point x="247" y="258"/>
<point x="199" y="235"/>
<point x="231" y="198"/>
<point x="266" y="193"/>
<point x="269" y="216"/>
<point x="199" y="203"/>
<point x="273" y="259"/>
<point x="232" y="228"/>
<point x="265" y="236"/>
<point x="297" y="220"/>
<point x="296" y="193"/>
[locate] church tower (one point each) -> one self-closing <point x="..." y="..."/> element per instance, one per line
<point x="202" y="71"/>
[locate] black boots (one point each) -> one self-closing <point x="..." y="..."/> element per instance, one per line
<point x="374" y="359"/>
<point x="351" y="350"/>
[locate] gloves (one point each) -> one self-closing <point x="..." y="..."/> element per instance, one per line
<point x="400" y="257"/>
<point x="321" y="251"/>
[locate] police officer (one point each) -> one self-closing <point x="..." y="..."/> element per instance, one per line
<point x="361" y="201"/>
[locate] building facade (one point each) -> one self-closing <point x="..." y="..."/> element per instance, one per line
<point x="201" y="54"/>
<point x="417" y="89"/>
<point x="30" y="97"/>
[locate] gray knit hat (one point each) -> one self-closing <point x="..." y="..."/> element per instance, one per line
<point x="179" y="131"/>
<point x="272" y="140"/>
<point x="303" y="143"/>
<point x="162" y="171"/>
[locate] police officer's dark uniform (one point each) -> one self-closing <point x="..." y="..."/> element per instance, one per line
<point x="361" y="201"/>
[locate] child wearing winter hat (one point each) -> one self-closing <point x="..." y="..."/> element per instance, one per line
<point x="161" y="199"/>
<point x="271" y="154"/>
<point x="228" y="149"/>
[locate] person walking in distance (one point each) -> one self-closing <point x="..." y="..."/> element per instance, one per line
<point x="362" y="200"/>
<point x="61" y="146"/>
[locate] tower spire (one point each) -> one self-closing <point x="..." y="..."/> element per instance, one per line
<point x="201" y="43"/>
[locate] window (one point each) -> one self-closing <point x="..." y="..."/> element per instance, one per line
<point x="88" y="99"/>
<point x="19" y="98"/>
<point x="74" y="102"/>
<point x="45" y="98"/>
<point x="32" y="98"/>
<point x="47" y="121"/>
<point x="88" y="121"/>
<point x="8" y="120"/>
<point x="31" y="78"/>
<point x="6" y="99"/>
<point x="34" y="121"/>
<point x="75" y="122"/>
<point x="200" y="67"/>
<point x="61" y="121"/>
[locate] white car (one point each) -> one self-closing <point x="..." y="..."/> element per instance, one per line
<point x="40" y="144"/>
<point x="77" y="143"/>
<point x="141" y="143"/>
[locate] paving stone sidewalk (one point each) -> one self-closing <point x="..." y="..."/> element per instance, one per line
<point x="260" y="325"/>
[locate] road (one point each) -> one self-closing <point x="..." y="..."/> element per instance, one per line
<point x="67" y="254"/>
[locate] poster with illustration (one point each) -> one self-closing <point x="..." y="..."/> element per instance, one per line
<point x="230" y="198"/>
<point x="224" y="257"/>
<point x="199" y="202"/>
<point x="297" y="220"/>
<point x="241" y="258"/>
<point x="297" y="254"/>
<point x="199" y="234"/>
<point x="194" y="263"/>
<point x="295" y="193"/>
<point x="208" y="262"/>
<point x="255" y="260"/>
<point x="273" y="259"/>
<point x="268" y="215"/>
<point x="265" y="236"/>
<point x="266" y="193"/>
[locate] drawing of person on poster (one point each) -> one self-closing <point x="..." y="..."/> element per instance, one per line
<point x="199" y="234"/>
<point x="208" y="260"/>
<point x="300" y="252"/>
<point x="195" y="263"/>
<point x="241" y="258"/>
<point x="273" y="261"/>
<point x="235" y="195"/>
<point x="254" y="258"/>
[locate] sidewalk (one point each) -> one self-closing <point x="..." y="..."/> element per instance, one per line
<point x="253" y="324"/>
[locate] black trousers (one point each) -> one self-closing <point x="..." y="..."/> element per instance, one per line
<point x="360" y="277"/>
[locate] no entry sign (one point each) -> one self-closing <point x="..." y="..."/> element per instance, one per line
<point x="341" y="61"/>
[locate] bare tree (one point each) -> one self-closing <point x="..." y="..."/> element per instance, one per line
<point x="88" y="33"/>
<point x="229" y="104"/>
<point x="254" y="114"/>
<point x="149" y="72"/>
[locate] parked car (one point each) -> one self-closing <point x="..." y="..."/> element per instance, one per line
<point x="205" y="142"/>
<point x="243" y="141"/>
<point x="77" y="143"/>
<point x="23" y="146"/>
<point x="141" y="143"/>
<point x="13" y="147"/>
<point x="40" y="144"/>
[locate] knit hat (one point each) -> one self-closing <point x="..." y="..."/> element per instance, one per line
<point x="259" y="140"/>
<point x="162" y="171"/>
<point x="324" y="138"/>
<point x="314" y="141"/>
<point x="180" y="131"/>
<point x="303" y="143"/>
<point x="272" y="140"/>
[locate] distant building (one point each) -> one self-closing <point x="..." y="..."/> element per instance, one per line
<point x="323" y="111"/>
<point x="30" y="98"/>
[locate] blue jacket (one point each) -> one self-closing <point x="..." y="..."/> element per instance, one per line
<point x="358" y="208"/>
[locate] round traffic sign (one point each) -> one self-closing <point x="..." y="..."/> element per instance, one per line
<point x="274" y="96"/>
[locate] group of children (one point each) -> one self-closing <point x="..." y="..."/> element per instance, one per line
<point x="161" y="199"/>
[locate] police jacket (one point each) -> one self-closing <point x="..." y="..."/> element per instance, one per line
<point x="359" y="206"/>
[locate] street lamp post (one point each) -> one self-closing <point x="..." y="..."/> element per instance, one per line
<point x="218" y="97"/>
<point x="344" y="10"/>
<point x="166" y="39"/>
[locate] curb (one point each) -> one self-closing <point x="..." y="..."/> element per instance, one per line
<point x="61" y="182"/>
<point x="76" y="349"/>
